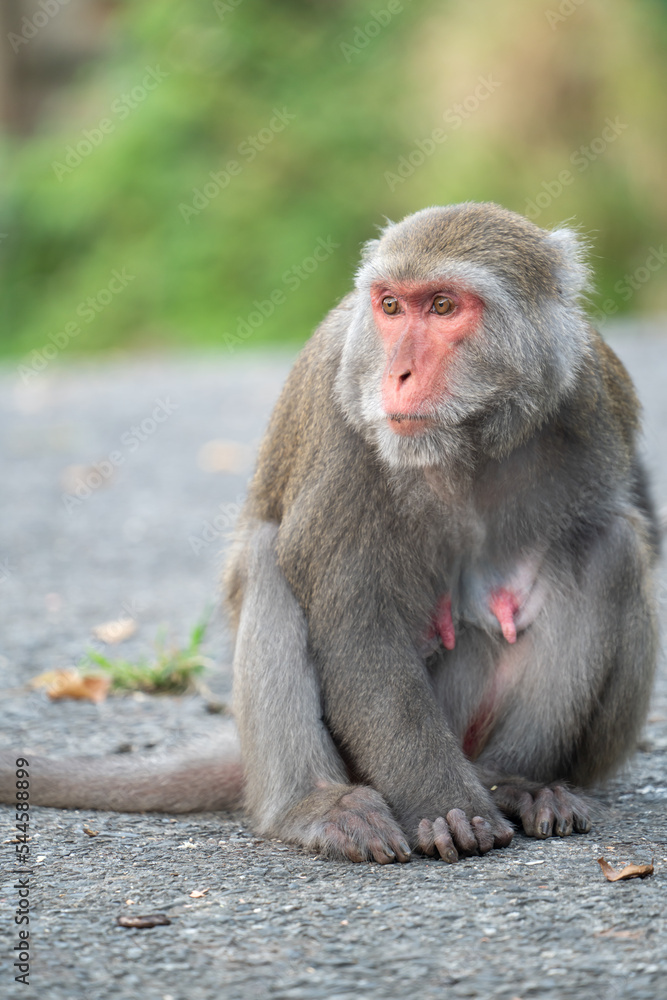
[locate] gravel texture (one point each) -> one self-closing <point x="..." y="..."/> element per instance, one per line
<point x="535" y="920"/>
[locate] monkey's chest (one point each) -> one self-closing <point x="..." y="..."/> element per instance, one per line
<point x="501" y="600"/>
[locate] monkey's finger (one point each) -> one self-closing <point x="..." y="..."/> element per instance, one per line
<point x="528" y="814"/>
<point x="503" y="833"/>
<point x="582" y="824"/>
<point x="564" y="812"/>
<point x="545" y="813"/>
<point x="349" y="849"/>
<point x="426" y="837"/>
<point x="461" y="831"/>
<point x="381" y="852"/>
<point x="483" y="834"/>
<point x="573" y="806"/>
<point x="564" y="825"/>
<point x="582" y="821"/>
<point x="443" y="841"/>
<point x="402" y="850"/>
<point x="339" y="843"/>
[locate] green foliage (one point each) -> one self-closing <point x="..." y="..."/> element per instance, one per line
<point x="173" y="670"/>
<point x="363" y="101"/>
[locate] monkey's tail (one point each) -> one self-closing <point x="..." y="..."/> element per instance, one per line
<point x="197" y="778"/>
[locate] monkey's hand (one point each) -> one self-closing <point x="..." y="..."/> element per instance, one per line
<point x="348" y="821"/>
<point x="455" y="834"/>
<point x="549" y="811"/>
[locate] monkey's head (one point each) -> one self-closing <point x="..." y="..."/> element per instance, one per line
<point x="466" y="334"/>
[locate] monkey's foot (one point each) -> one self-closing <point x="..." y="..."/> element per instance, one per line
<point x="354" y="822"/>
<point x="553" y="811"/>
<point x="455" y="834"/>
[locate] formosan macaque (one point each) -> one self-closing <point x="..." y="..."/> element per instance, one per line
<point x="441" y="582"/>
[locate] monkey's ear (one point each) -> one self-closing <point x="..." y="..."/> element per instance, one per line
<point x="574" y="272"/>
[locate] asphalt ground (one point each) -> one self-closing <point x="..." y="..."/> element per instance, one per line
<point x="172" y="441"/>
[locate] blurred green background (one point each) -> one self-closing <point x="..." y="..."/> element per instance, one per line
<point x="204" y="172"/>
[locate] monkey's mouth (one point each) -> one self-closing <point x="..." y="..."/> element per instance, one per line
<point x="409" y="424"/>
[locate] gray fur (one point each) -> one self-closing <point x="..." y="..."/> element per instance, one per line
<point x="286" y="747"/>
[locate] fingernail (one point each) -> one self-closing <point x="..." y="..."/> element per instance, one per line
<point x="544" y="828"/>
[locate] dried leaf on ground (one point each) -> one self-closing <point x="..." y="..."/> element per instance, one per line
<point x="198" y="893"/>
<point x="91" y="833"/>
<point x="69" y="683"/>
<point x="115" y="631"/>
<point x="630" y="871"/>
<point x="147" y="920"/>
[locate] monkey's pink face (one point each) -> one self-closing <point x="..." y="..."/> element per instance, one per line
<point x="421" y="326"/>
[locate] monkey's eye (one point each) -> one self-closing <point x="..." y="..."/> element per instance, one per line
<point x="442" y="305"/>
<point x="390" y="305"/>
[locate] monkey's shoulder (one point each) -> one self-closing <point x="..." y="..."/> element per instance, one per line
<point x="620" y="398"/>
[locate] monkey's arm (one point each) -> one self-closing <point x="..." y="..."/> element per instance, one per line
<point x="382" y="711"/>
<point x="297" y="786"/>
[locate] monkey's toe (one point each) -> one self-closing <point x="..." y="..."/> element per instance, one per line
<point x="553" y="811"/>
<point x="575" y="808"/>
<point x="503" y="833"/>
<point x="483" y="834"/>
<point x="360" y="827"/>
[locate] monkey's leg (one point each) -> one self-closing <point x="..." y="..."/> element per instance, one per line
<point x="583" y="686"/>
<point x="381" y="708"/>
<point x="297" y="786"/>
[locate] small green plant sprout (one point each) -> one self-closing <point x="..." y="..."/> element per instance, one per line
<point x="173" y="671"/>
